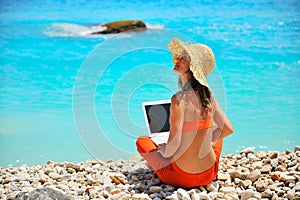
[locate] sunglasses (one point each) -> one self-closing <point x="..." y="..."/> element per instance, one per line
<point x="182" y="56"/>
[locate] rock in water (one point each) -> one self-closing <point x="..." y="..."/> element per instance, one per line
<point x="121" y="26"/>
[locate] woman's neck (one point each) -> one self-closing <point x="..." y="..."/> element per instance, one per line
<point x="185" y="78"/>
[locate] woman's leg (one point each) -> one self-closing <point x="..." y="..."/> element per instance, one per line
<point x="148" y="150"/>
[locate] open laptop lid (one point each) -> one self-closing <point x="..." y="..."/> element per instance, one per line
<point x="157" y="116"/>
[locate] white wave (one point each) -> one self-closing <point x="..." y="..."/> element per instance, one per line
<point x="75" y="30"/>
<point x="155" y="26"/>
<point x="68" y="29"/>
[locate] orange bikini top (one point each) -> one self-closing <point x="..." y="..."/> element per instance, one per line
<point x="196" y="125"/>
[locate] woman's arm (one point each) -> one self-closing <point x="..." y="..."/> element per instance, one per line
<point x="175" y="120"/>
<point x="224" y="127"/>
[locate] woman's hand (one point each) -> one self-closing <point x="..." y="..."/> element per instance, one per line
<point x="161" y="148"/>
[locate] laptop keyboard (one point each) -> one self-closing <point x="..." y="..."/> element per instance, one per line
<point x="159" y="140"/>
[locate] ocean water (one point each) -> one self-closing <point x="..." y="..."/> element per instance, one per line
<point x="67" y="95"/>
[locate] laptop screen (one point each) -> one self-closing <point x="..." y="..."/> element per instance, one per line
<point x="158" y="117"/>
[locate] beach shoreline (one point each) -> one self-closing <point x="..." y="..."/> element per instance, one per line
<point x="248" y="175"/>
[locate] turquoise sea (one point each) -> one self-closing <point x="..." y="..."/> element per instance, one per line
<point x="67" y="95"/>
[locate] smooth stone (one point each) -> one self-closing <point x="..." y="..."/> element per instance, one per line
<point x="266" y="161"/>
<point x="72" y="165"/>
<point x="153" y="195"/>
<point x="297" y="194"/>
<point x="274" y="163"/>
<point x="227" y="190"/>
<point x="273" y="154"/>
<point x="223" y="177"/>
<point x="22" y="176"/>
<point x="72" y="185"/>
<point x="62" y="187"/>
<point x="23" y="167"/>
<point x="97" y="167"/>
<point x="266" y="169"/>
<point x="80" y="174"/>
<point x="59" y="169"/>
<point x="141" y="196"/>
<point x="154" y="181"/>
<point x="245" y="184"/>
<point x="94" y="194"/>
<point x="288" y="178"/>
<point x="27" y="189"/>
<point x="134" y="178"/>
<point x="109" y="187"/>
<point x="247" y="194"/>
<point x="140" y="187"/>
<point x="172" y="197"/>
<point x="216" y="195"/>
<point x="257" y="195"/>
<point x="149" y="176"/>
<point x="254" y="175"/>
<point x="297" y="187"/>
<point x="260" y="185"/>
<point x="240" y="172"/>
<point x="194" y="196"/>
<point x="120" y="196"/>
<point x="247" y="150"/>
<point x="252" y="157"/>
<point x="275" y="177"/>
<point x="292" y="163"/>
<point x="280" y="168"/>
<point x="232" y="196"/>
<point x="169" y="188"/>
<point x="257" y="165"/>
<point x="43" y="193"/>
<point x="267" y="194"/>
<point x="14" y="195"/>
<point x="290" y="194"/>
<point x="155" y="189"/>
<point x="54" y="175"/>
<point x="275" y="197"/>
<point x="6" y="180"/>
<point x="203" y="196"/>
<point x="261" y="154"/>
<point x="71" y="170"/>
<point x="297" y="148"/>
<point x="295" y="167"/>
<point x="183" y="195"/>
<point x="212" y="187"/>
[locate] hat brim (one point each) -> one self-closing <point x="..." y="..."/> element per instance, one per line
<point x="177" y="47"/>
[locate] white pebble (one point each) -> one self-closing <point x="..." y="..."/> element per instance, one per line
<point x="247" y="194"/>
<point x="155" y="189"/>
<point x="142" y="196"/>
<point x="183" y="195"/>
<point x="54" y="175"/>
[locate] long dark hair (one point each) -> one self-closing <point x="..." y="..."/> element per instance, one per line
<point x="204" y="92"/>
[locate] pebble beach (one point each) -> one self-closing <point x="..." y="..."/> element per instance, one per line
<point x="248" y="175"/>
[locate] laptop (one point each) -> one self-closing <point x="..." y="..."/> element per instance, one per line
<point x="156" y="115"/>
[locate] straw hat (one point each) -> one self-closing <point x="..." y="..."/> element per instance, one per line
<point x="202" y="58"/>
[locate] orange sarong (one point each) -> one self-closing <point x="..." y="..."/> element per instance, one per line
<point x="167" y="170"/>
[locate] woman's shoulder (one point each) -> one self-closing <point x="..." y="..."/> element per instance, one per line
<point x="182" y="96"/>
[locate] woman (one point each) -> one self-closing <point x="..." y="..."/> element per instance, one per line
<point x="191" y="156"/>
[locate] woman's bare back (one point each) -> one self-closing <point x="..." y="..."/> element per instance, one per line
<point x="195" y="153"/>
